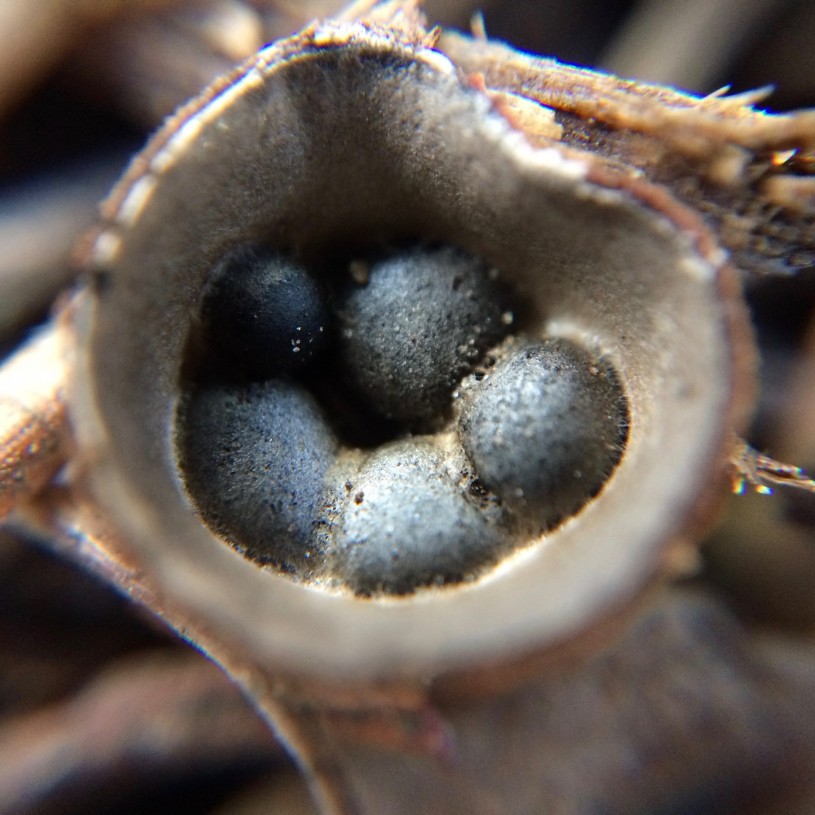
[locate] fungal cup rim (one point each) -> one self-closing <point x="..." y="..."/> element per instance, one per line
<point x="555" y="588"/>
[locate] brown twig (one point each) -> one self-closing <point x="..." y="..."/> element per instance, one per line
<point x="33" y="420"/>
<point x="140" y="721"/>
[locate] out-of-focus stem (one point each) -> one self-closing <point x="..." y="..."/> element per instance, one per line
<point x="40" y="222"/>
<point x="33" y="420"/>
<point x="37" y="33"/>
<point x="685" y="44"/>
<point x="150" y="716"/>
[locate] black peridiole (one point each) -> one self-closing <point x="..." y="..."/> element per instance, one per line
<point x="264" y="313"/>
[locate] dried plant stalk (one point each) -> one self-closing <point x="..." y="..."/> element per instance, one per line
<point x="33" y="417"/>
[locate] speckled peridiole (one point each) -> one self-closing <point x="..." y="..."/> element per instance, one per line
<point x="545" y="428"/>
<point x="418" y="324"/>
<point x="255" y="458"/>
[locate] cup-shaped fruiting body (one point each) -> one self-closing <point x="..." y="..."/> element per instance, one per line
<point x="545" y="428"/>
<point x="415" y="324"/>
<point x="323" y="146"/>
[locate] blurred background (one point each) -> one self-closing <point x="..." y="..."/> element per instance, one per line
<point x="101" y="711"/>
